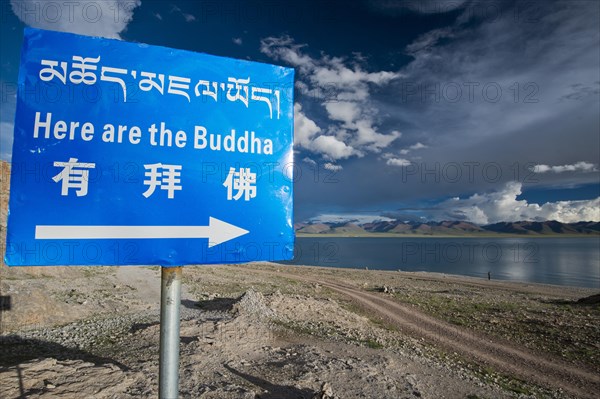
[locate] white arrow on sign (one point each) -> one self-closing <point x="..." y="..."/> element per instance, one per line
<point x="217" y="232"/>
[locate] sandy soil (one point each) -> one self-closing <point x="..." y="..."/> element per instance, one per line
<point x="272" y="331"/>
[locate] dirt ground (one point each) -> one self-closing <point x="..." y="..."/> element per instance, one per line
<point x="273" y="331"/>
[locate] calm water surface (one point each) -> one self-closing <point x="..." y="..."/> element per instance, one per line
<point x="561" y="261"/>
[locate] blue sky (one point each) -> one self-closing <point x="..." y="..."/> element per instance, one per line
<point x="471" y="110"/>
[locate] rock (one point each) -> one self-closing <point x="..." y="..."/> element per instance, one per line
<point x="326" y="392"/>
<point x="253" y="304"/>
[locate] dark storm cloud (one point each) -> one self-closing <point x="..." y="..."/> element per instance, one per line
<point x="490" y="98"/>
<point x="494" y="90"/>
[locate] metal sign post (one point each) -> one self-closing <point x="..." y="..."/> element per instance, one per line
<point x="170" y="301"/>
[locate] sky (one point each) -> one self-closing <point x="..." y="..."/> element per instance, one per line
<point x="482" y="111"/>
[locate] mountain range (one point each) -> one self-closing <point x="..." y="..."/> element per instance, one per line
<point x="451" y="228"/>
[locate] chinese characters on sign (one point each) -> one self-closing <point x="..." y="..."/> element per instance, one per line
<point x="75" y="175"/>
<point x="168" y="179"/>
<point x="243" y="181"/>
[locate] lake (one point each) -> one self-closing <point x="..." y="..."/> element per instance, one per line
<point x="561" y="261"/>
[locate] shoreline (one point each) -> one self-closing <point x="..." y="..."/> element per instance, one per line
<point x="491" y="235"/>
<point x="446" y="276"/>
<point x="569" y="290"/>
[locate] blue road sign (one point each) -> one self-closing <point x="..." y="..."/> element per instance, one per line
<point x="126" y="153"/>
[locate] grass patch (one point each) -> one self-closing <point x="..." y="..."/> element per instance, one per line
<point x="516" y="387"/>
<point x="296" y="328"/>
<point x="371" y="343"/>
<point x="542" y="324"/>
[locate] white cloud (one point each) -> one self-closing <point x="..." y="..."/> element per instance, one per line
<point x="333" y="167"/>
<point x="158" y="16"/>
<point x="6" y="140"/>
<point x="348" y="87"/>
<point x="369" y="137"/>
<point x="284" y="48"/>
<point x="398" y="162"/>
<point x="304" y="128"/>
<point x="326" y="71"/>
<point x="343" y="111"/>
<point x="334" y="71"/>
<point x="393" y="160"/>
<point x="302" y="87"/>
<point x="576" y="167"/>
<point x="238" y="41"/>
<point x="188" y="17"/>
<point x="417" y="146"/>
<point x="428" y="40"/>
<point x="332" y="148"/>
<point x="413" y="147"/>
<point x="309" y="161"/>
<point x="503" y="206"/>
<point x="364" y="134"/>
<point x="306" y="135"/>
<point x="105" y="18"/>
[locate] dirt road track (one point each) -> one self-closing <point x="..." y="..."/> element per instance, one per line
<point x="502" y="356"/>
